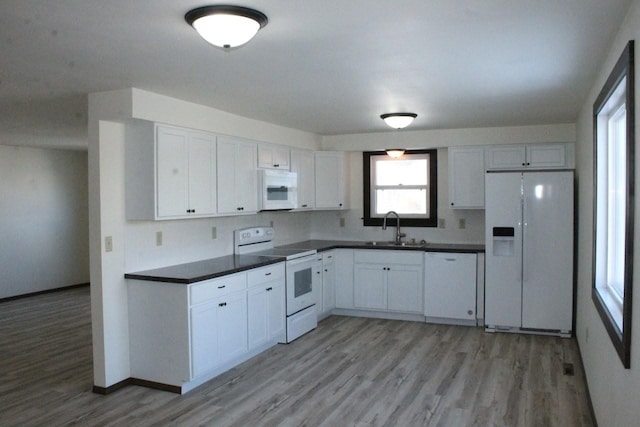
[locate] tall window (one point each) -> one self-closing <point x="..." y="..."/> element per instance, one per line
<point x="613" y="211"/>
<point x="406" y="185"/>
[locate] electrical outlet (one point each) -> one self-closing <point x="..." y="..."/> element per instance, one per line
<point x="158" y="238"/>
<point x="441" y="223"/>
<point x="108" y="244"/>
<point x="214" y="233"/>
<point x="341" y="222"/>
<point x="462" y="223"/>
<point x="271" y="223"/>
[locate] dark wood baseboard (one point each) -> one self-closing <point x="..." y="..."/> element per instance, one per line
<point x="586" y="385"/>
<point x="46" y="291"/>
<point x="136" y="381"/>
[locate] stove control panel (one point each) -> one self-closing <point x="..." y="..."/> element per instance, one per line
<point x="252" y="235"/>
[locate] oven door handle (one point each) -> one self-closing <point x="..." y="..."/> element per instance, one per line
<point x="305" y="259"/>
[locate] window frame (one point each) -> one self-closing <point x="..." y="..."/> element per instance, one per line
<point x="431" y="221"/>
<point x="604" y="299"/>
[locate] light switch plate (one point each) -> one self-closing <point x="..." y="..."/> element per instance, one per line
<point x="441" y="223"/>
<point x="108" y="244"/>
<point x="462" y="223"/>
<point x="158" y="238"/>
<point x="341" y="221"/>
<point x="214" y="233"/>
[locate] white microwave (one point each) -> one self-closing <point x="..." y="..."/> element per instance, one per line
<point x="277" y="190"/>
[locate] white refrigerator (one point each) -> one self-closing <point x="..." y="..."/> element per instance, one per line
<point x="529" y="252"/>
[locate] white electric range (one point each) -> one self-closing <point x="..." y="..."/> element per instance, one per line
<point x="301" y="267"/>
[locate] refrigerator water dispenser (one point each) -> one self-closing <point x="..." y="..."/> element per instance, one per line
<point x="503" y="241"/>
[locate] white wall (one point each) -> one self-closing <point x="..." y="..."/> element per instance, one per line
<point x="615" y="391"/>
<point x="134" y="246"/>
<point x="327" y="224"/>
<point x="43" y="219"/>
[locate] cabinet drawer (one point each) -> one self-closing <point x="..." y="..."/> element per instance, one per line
<point x="215" y="288"/>
<point x="382" y="257"/>
<point x="266" y="274"/>
<point x="328" y="257"/>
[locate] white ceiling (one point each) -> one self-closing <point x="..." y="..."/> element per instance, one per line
<point x="324" y="66"/>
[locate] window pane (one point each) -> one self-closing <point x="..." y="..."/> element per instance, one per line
<point x="401" y="172"/>
<point x="401" y="201"/>
<point x="616" y="206"/>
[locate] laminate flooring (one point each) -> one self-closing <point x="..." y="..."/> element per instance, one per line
<point x="348" y="372"/>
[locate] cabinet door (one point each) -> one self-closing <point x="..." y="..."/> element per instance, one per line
<point x="172" y="172"/>
<point x="276" y="311"/>
<point x="273" y="156"/>
<point x="344" y="278"/>
<point x="202" y="174"/>
<point x="546" y="156"/>
<point x="246" y="177"/>
<point x="302" y="163"/>
<point x="204" y="338"/>
<point x="237" y="176"/>
<point x="506" y="156"/>
<point x="331" y="180"/>
<point x="466" y="177"/>
<point x="370" y="286"/>
<point x="405" y="288"/>
<point x="232" y="326"/>
<point x="328" y="283"/>
<point x="258" y="315"/>
<point x="450" y="285"/>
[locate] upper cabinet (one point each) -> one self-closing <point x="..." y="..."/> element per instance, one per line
<point x="237" y="176"/>
<point x="466" y="177"/>
<point x="332" y="180"/>
<point x="272" y="156"/>
<point x="302" y="163"/>
<point x="170" y="172"/>
<point x="537" y="156"/>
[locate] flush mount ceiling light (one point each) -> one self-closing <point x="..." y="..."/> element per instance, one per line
<point x="394" y="152"/>
<point x="398" y="120"/>
<point x="226" y="26"/>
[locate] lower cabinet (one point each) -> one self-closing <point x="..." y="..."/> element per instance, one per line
<point x="325" y="287"/>
<point x="266" y="313"/>
<point x="218" y="332"/>
<point x="388" y="281"/>
<point x="450" y="286"/>
<point x="183" y="335"/>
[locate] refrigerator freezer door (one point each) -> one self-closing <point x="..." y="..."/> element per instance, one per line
<point x="547" y="271"/>
<point x="503" y="241"/>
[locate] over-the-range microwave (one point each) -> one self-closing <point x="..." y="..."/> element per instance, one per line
<point x="277" y="190"/>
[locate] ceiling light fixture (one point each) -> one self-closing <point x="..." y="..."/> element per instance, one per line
<point x="394" y="152"/>
<point x="398" y="120"/>
<point x="226" y="26"/>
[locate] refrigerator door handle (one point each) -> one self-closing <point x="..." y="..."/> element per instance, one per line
<point x="525" y="272"/>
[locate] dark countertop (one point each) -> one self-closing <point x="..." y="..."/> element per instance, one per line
<point x="325" y="245"/>
<point x="216" y="267"/>
<point x="197" y="271"/>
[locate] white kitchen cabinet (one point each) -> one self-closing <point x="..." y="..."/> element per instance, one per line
<point x="332" y="180"/>
<point x="450" y="286"/>
<point x="170" y="172"/>
<point x="388" y="280"/>
<point x="302" y="163"/>
<point x="534" y="156"/>
<point x="273" y="156"/>
<point x="237" y="176"/>
<point x="466" y="177"/>
<point x="218" y="332"/>
<point x="266" y="305"/>
<point x="344" y="278"/>
<point x="328" y="282"/>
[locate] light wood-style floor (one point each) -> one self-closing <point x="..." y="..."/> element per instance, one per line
<point x="348" y="372"/>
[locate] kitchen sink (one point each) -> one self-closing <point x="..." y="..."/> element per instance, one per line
<point x="402" y="244"/>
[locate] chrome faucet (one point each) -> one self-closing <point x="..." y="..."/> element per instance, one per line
<point x="399" y="235"/>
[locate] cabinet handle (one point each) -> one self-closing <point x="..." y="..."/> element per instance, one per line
<point x="222" y="287"/>
<point x="269" y="289"/>
<point x="452" y="204"/>
<point x="470" y="312"/>
<point x="222" y="304"/>
<point x="326" y="270"/>
<point x="267" y="274"/>
<point x="330" y="257"/>
<point x="240" y="208"/>
<point x="340" y="204"/>
<point x="450" y="259"/>
<point x="304" y="206"/>
<point x="276" y="166"/>
<point x="524" y="164"/>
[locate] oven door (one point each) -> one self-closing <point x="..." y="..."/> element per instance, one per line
<point x="301" y="280"/>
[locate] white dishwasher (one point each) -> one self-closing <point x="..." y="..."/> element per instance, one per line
<point x="450" y="287"/>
